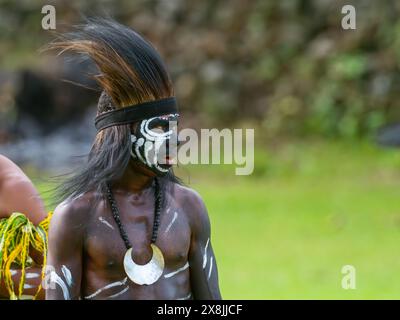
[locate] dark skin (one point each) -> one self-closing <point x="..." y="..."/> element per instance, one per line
<point x="93" y="250"/>
<point x="18" y="194"/>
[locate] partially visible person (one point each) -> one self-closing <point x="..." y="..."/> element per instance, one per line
<point x="23" y="227"/>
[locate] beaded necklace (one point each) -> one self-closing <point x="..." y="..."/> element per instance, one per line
<point x="150" y="272"/>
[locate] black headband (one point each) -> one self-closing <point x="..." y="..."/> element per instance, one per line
<point x="136" y="112"/>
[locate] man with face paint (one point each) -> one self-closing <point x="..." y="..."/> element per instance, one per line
<point x="126" y="227"/>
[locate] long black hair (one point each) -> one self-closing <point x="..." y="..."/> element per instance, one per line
<point x="130" y="72"/>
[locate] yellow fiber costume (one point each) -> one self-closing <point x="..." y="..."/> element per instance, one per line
<point x="17" y="235"/>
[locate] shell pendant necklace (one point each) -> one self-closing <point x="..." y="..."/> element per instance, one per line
<point x="150" y="272"/>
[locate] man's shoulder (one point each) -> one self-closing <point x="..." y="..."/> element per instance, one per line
<point x="192" y="204"/>
<point x="12" y="177"/>
<point x="18" y="194"/>
<point x="187" y="196"/>
<point x="69" y="223"/>
<point x="6" y="164"/>
<point x="76" y="210"/>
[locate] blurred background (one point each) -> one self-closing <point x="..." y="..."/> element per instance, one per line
<point x="324" y="103"/>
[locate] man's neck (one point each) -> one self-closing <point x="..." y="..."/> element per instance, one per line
<point x="133" y="180"/>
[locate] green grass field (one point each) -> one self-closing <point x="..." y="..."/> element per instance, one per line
<point x="309" y="209"/>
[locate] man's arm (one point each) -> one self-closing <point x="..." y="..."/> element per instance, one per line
<point x="18" y="194"/>
<point x="64" y="266"/>
<point x="203" y="265"/>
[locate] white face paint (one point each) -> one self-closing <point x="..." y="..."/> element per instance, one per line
<point x="147" y="142"/>
<point x="172" y="222"/>
<point x="102" y="220"/>
<point x="32" y="275"/>
<point x="111" y="285"/>
<point x="56" y="279"/>
<point x="169" y="275"/>
<point x="205" y="254"/>
<point x="28" y="286"/>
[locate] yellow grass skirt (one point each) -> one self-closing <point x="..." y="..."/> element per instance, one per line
<point x="17" y="235"/>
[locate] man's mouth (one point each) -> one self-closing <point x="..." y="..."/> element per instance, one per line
<point x="167" y="161"/>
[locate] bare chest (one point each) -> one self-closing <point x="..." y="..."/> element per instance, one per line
<point x="105" y="249"/>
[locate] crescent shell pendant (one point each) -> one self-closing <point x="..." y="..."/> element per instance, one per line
<point x="148" y="273"/>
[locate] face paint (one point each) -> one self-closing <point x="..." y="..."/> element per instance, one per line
<point x="153" y="142"/>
